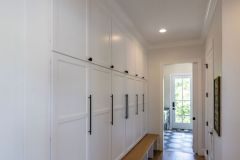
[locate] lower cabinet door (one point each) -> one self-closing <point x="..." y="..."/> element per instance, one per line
<point x="139" y="124"/>
<point x="118" y="115"/>
<point x="100" y="91"/>
<point x="69" y="111"/>
<point x="130" y="121"/>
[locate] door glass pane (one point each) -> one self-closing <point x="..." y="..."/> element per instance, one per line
<point x="178" y="88"/>
<point x="186" y="119"/>
<point x="186" y="88"/>
<point x="182" y="93"/>
<point x="186" y="108"/>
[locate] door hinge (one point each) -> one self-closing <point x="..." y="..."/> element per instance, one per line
<point x="207" y="123"/>
<point x="206" y="94"/>
<point x="206" y="65"/>
<point x="207" y="152"/>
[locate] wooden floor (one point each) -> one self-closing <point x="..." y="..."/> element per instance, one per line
<point x="177" y="156"/>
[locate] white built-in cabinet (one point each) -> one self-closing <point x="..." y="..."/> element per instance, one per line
<point x="99" y="33"/>
<point x="99" y="96"/>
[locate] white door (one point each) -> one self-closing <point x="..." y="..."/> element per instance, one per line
<point x="100" y="92"/>
<point x="131" y="110"/>
<point x="118" y="48"/>
<point x="139" y="107"/>
<point x="145" y="108"/>
<point x="181" y="92"/>
<point x="209" y="107"/>
<point x="99" y="33"/>
<point x="70" y="109"/>
<point x="69" y="27"/>
<point x="118" y="115"/>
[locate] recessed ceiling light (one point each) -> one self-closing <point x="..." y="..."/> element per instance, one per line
<point x="162" y="30"/>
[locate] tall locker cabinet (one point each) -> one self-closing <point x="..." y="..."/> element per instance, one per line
<point x="118" y="117"/>
<point x="70" y="113"/>
<point x="100" y="92"/>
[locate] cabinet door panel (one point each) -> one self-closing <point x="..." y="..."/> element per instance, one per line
<point x="118" y="126"/>
<point x="131" y="57"/>
<point x="100" y="89"/>
<point x="130" y="122"/>
<point x="69" y="112"/>
<point x="118" y="48"/>
<point x="69" y="27"/>
<point x="139" y="61"/>
<point x="130" y="129"/>
<point x="139" y="124"/>
<point x="99" y="34"/>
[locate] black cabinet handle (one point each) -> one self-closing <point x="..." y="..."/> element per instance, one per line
<point x="90" y="59"/>
<point x="136" y="75"/>
<point x="90" y="112"/>
<point x="194" y="118"/>
<point x="126" y="71"/>
<point x="112" y="109"/>
<point x="143" y="103"/>
<point x="112" y="66"/>
<point x="126" y="98"/>
<point x="142" y="77"/>
<point x="137" y="104"/>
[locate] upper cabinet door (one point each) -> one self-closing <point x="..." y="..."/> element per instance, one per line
<point x="131" y="56"/>
<point x="139" y="61"/>
<point x="99" y="33"/>
<point x="145" y="65"/>
<point x="69" y="27"/>
<point x="118" y="48"/>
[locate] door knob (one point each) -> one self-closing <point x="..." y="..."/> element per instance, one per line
<point x="194" y="118"/>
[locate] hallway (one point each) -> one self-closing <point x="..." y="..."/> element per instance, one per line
<point x="85" y="79"/>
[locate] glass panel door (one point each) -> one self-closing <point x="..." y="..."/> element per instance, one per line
<point x="182" y="101"/>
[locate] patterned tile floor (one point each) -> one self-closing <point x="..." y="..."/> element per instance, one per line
<point x="178" y="140"/>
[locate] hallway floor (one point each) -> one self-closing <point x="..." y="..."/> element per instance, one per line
<point x="167" y="155"/>
<point x="178" y="141"/>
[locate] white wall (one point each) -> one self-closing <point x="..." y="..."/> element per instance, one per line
<point x="168" y="71"/>
<point x="11" y="79"/>
<point x="230" y="80"/>
<point x="157" y="58"/>
<point x="37" y="79"/>
<point x="214" y="42"/>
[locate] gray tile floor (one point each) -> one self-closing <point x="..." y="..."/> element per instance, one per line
<point x="178" y="140"/>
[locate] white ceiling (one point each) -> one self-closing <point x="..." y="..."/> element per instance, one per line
<point x="184" y="19"/>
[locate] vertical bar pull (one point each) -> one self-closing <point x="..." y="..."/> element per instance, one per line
<point x="126" y="96"/>
<point x="112" y="109"/>
<point x="143" y="103"/>
<point x="90" y="113"/>
<point x="137" y="104"/>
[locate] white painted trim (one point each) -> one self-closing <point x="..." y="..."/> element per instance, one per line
<point x="197" y="111"/>
<point x="176" y="44"/>
<point x="208" y="17"/>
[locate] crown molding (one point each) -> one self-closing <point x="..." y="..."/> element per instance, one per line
<point x="208" y="17"/>
<point x="177" y="44"/>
